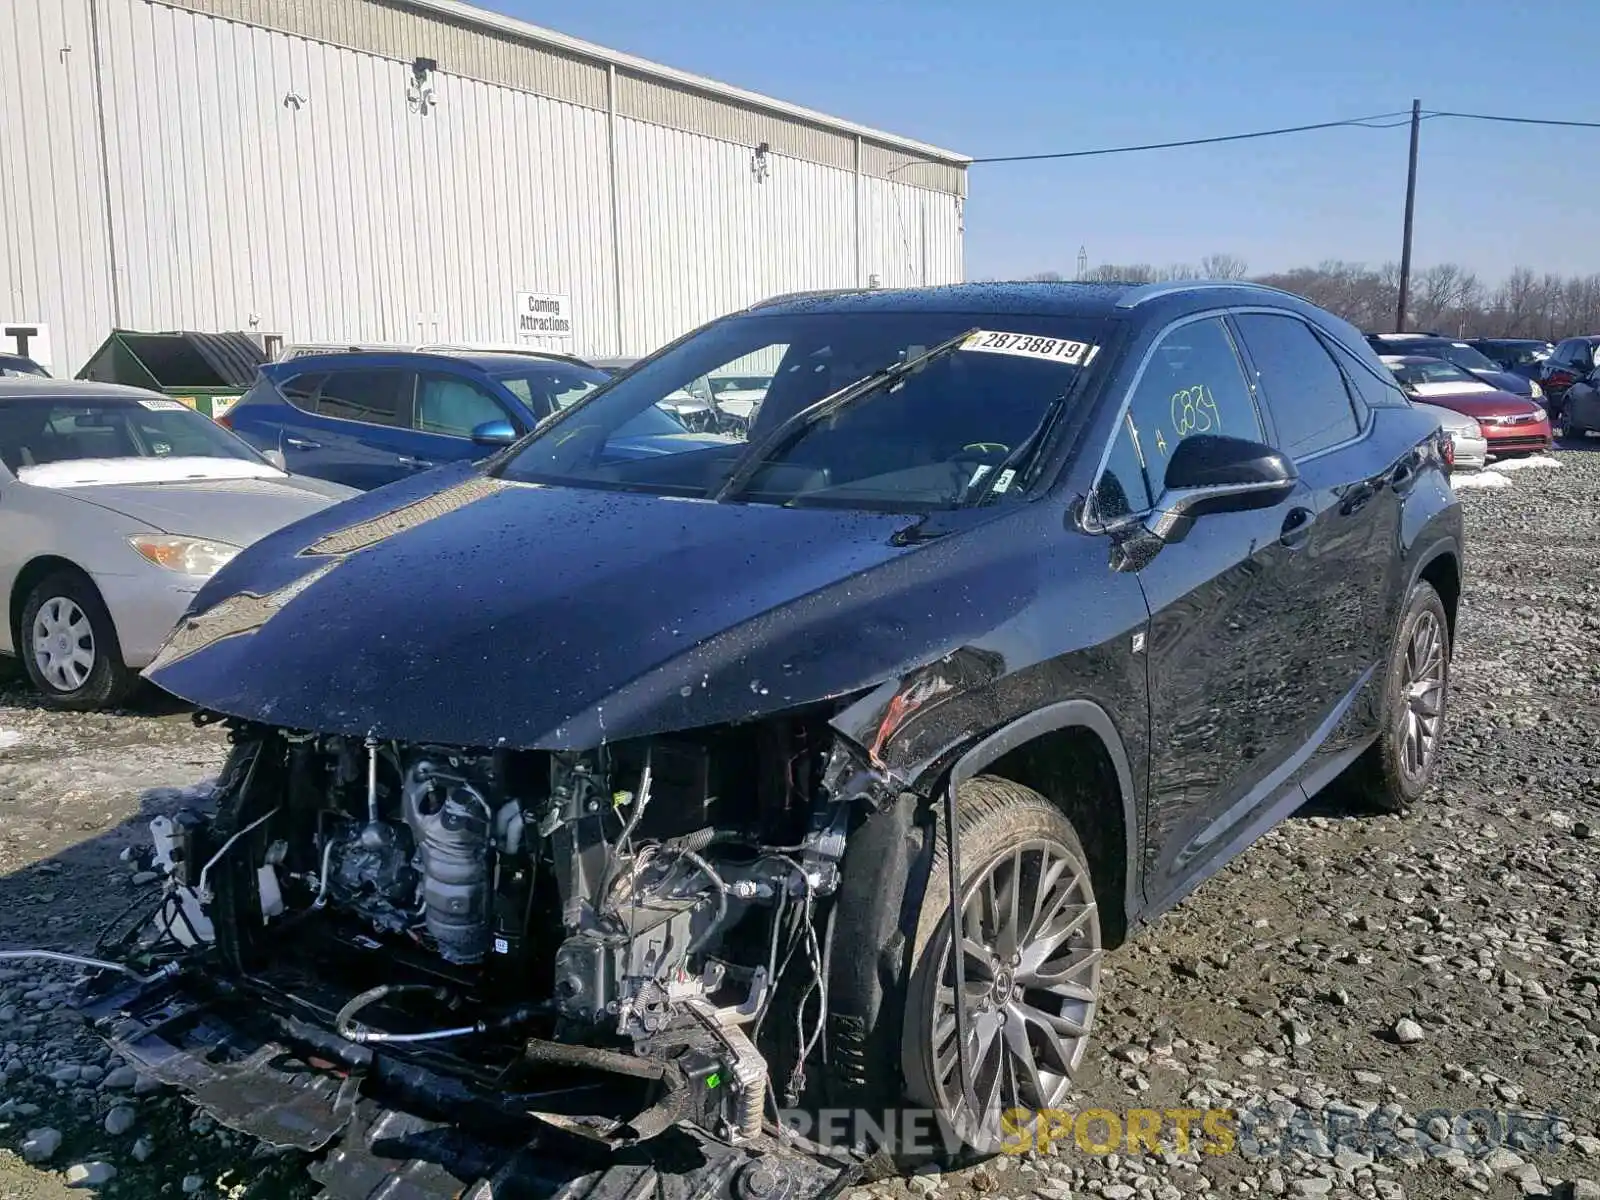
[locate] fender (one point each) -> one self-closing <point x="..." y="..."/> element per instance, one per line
<point x="1436" y="549"/>
<point x="1069" y="714"/>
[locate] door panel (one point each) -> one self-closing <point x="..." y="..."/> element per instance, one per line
<point x="1333" y="584"/>
<point x="1215" y="633"/>
<point x="1209" y="634"/>
<point x="360" y="430"/>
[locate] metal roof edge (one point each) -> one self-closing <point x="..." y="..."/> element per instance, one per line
<point x="469" y="14"/>
<point x="1151" y="291"/>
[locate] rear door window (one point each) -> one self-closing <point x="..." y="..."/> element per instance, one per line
<point x="1304" y="388"/>
<point x="1192" y="383"/>
<point x="373" y="397"/>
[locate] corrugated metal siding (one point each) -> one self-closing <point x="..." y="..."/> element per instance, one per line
<point x="282" y="184"/>
<point x="54" y="265"/>
<point x="912" y="236"/>
<point x="347" y="216"/>
<point x="699" y="237"/>
<point x="388" y="29"/>
<point x="393" y="31"/>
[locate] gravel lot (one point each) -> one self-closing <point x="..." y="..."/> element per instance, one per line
<point x="1347" y="965"/>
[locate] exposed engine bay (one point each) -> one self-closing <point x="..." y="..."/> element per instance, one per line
<point x="652" y="914"/>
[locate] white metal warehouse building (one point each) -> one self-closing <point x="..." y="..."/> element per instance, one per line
<point x="407" y="171"/>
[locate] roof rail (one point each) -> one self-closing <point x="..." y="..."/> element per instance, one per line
<point x="1152" y="291"/>
<point x="815" y="293"/>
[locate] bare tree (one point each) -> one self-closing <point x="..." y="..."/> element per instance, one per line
<point x="1223" y="266"/>
<point x="1447" y="297"/>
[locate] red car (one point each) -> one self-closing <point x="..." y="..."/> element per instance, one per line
<point x="1510" y="424"/>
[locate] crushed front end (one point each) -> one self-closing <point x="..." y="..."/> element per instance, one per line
<point x="434" y="966"/>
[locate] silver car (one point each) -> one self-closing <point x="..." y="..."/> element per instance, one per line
<point x="1466" y="436"/>
<point x="116" y="505"/>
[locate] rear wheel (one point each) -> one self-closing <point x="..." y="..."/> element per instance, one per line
<point x="69" y="645"/>
<point x="1031" y="948"/>
<point x="1401" y="763"/>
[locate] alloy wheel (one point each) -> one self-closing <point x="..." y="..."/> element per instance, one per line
<point x="1031" y="953"/>
<point x="63" y="643"/>
<point x="1422" y="711"/>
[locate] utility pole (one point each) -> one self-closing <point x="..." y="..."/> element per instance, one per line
<point x="1411" y="208"/>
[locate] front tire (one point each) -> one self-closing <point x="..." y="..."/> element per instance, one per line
<point x="1032" y="949"/>
<point x="69" y="645"/>
<point x="1400" y="766"/>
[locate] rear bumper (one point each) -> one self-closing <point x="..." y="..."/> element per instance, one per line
<point x="394" y="1128"/>
<point x="1472" y="453"/>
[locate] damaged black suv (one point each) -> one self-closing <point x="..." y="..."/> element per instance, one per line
<point x="619" y="793"/>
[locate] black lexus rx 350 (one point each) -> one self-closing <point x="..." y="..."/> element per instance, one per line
<point x="575" y="767"/>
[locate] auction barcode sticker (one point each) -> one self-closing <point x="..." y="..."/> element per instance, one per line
<point x="1030" y="345"/>
<point x="164" y="405"/>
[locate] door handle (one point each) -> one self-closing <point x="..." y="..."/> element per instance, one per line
<point x="1296" y="528"/>
<point x="301" y="443"/>
<point x="416" y="464"/>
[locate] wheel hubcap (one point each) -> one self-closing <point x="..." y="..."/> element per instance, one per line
<point x="1031" y="956"/>
<point x="1423" y="708"/>
<point x="63" y="643"/>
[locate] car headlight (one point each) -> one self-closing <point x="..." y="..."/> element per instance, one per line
<point x="191" y="556"/>
<point x="1538" y="392"/>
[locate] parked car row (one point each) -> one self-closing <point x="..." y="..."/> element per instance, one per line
<point x="361" y="418"/>
<point x="1505" y="424"/>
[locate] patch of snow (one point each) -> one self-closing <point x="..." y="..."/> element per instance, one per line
<point x="9" y="738"/>
<point x="1480" y="479"/>
<point x="1524" y="464"/>
<point x="86" y="472"/>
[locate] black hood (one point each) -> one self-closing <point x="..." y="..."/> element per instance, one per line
<point x="459" y="609"/>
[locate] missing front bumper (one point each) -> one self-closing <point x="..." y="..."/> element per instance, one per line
<point x="383" y="1128"/>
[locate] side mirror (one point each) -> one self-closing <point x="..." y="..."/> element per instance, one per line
<point x="275" y="457"/>
<point x="494" y="433"/>
<point x="1212" y="474"/>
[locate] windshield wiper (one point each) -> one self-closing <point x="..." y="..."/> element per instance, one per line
<point x="1024" y="451"/>
<point x="754" y="458"/>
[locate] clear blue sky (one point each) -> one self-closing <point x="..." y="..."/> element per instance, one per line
<point x="1041" y="75"/>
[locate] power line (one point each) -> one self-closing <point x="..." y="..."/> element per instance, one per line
<point x="1515" y="120"/>
<point x="1354" y="122"/>
<point x="1392" y="120"/>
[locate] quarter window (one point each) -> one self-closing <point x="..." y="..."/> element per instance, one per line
<point x="1192" y="384"/>
<point x="1304" y="387"/>
<point x="301" y="391"/>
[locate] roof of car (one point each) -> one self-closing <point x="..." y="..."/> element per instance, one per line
<point x="16" y="387"/>
<point x="491" y="363"/>
<point x="1098" y="299"/>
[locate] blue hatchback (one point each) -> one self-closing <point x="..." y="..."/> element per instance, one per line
<point x="365" y="419"/>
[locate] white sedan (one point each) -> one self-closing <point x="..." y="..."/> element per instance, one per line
<point x="1466" y="436"/>
<point x="116" y="506"/>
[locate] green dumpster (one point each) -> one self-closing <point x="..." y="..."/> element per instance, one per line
<point x="206" y="371"/>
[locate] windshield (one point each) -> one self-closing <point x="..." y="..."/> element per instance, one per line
<point x="551" y="386"/>
<point x="921" y="443"/>
<point x="1432" y="370"/>
<point x="38" y="431"/>
<point x="1464" y="357"/>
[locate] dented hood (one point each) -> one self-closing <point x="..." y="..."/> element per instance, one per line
<point x="461" y="609"/>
